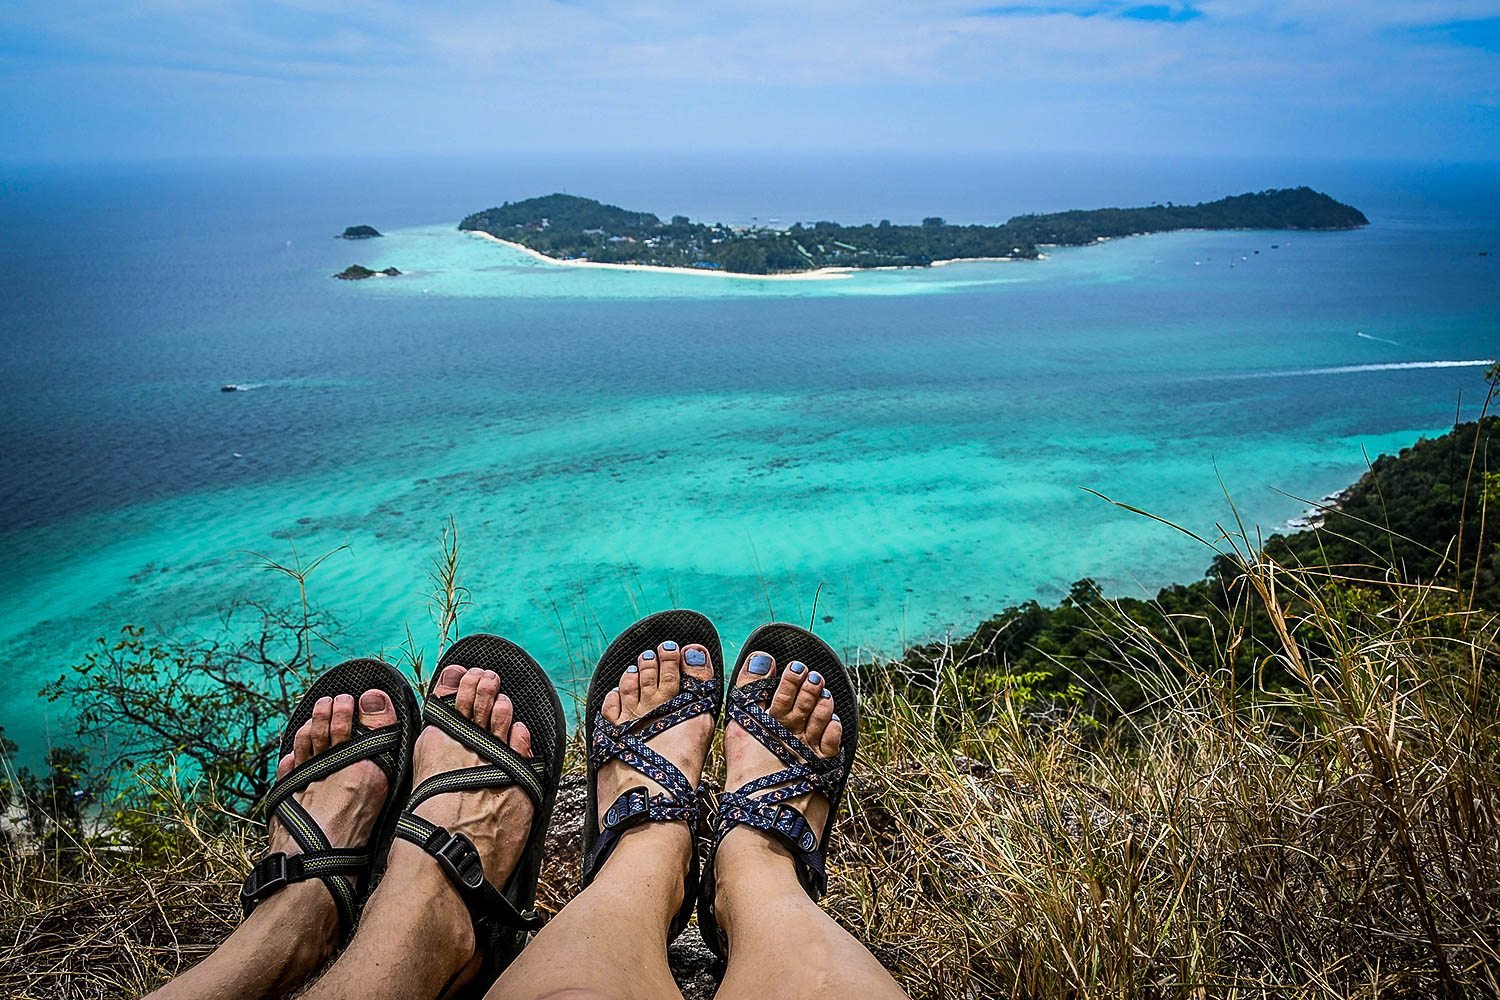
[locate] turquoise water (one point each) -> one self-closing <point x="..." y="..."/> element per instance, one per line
<point x="912" y="447"/>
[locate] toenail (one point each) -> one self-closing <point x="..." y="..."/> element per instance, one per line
<point x="648" y="655"/>
<point x="796" y="666"/>
<point x="669" y="645"/>
<point x="836" y="718"/>
<point x="760" y="663"/>
<point x="695" y="657"/>
<point x="372" y="701"/>
<point x="815" y="678"/>
<point x="632" y="669"/>
<point x="827" y="693"/>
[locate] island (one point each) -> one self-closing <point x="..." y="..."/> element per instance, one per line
<point x="359" y="233"/>
<point x="358" y="272"/>
<point x="566" y="228"/>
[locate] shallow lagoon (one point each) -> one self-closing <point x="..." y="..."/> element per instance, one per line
<point x="912" y="447"/>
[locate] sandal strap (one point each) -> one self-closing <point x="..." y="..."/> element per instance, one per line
<point x="459" y="859"/>
<point x="275" y="872"/>
<point x="762" y="802"/>
<point x="679" y="802"/>
<point x="526" y="772"/>
<point x="497" y="775"/>
<point x="366" y="744"/>
<point x="339" y="869"/>
<point x="633" y="807"/>
<point x="626" y="742"/>
<point x="455" y="853"/>
<point x="782" y="821"/>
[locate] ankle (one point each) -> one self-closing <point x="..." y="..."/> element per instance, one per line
<point x="751" y="868"/>
<point x="415" y="893"/>
<point x="653" y="859"/>
<point x="300" y="921"/>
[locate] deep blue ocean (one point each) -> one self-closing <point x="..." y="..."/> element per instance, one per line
<point x="912" y="447"/>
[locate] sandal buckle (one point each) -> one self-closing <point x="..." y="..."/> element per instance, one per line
<point x="791" y="823"/>
<point x="631" y="802"/>
<point x="460" y="859"/>
<point x="268" y="875"/>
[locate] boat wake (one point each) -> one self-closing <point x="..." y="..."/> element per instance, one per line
<point x="1393" y="366"/>
<point x="1378" y="340"/>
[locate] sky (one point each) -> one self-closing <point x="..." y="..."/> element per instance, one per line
<point x="100" y="80"/>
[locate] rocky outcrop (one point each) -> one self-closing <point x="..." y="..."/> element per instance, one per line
<point x="358" y="272"/>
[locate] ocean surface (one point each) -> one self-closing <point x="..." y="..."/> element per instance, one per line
<point x="910" y="451"/>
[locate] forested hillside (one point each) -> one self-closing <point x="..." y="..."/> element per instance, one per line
<point x="569" y="227"/>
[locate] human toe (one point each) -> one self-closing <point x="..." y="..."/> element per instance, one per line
<point x="449" y="680"/>
<point x="520" y="739"/>
<point x="612" y="706"/>
<point x="650" y="672"/>
<point x="833" y="737"/>
<point x="696" y="662"/>
<point x="502" y="716"/>
<point x="468" y="691"/>
<point x="322" y="724"/>
<point x="787" y="688"/>
<point x="486" y="691"/>
<point x="376" y="710"/>
<point x="807" y="699"/>
<point x="341" y="723"/>
<point x="630" y="689"/>
<point x="302" y="746"/>
<point x="670" y="672"/>
<point x="817" y="721"/>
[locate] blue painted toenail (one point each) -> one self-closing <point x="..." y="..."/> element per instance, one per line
<point x="760" y="663"/>
<point x="796" y="666"/>
<point x="836" y="717"/>
<point x="827" y="693"/>
<point x="648" y="655"/>
<point x="632" y="669"/>
<point x="815" y="678"/>
<point x="669" y="645"/>
<point x="695" y="657"/>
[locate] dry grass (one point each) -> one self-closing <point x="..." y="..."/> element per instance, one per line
<point x="1334" y="840"/>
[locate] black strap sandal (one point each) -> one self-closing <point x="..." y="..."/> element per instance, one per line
<point x="503" y="918"/>
<point x="348" y="873"/>
<point x="762" y="803"/>
<point x="680" y="802"/>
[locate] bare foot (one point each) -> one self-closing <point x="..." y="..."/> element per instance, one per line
<point x="802" y="704"/>
<point x="652" y="680"/>
<point x="497" y="820"/>
<point x="348" y="801"/>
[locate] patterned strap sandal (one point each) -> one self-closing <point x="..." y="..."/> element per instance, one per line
<point x="349" y="873"/>
<point x="626" y="742"/>
<point x="503" y="917"/>
<point x="762" y="803"/>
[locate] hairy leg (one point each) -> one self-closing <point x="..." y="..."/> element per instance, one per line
<point x="415" y="939"/>
<point x="294" y="932"/>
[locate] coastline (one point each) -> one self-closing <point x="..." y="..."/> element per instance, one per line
<point x="821" y="274"/>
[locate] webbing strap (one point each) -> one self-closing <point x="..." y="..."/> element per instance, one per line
<point x="525" y="772"/>
<point x="761" y="802"/>
<point x="460" y="861"/>
<point x="319" y="859"/>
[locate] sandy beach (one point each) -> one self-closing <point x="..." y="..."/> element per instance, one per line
<point x="822" y="274"/>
